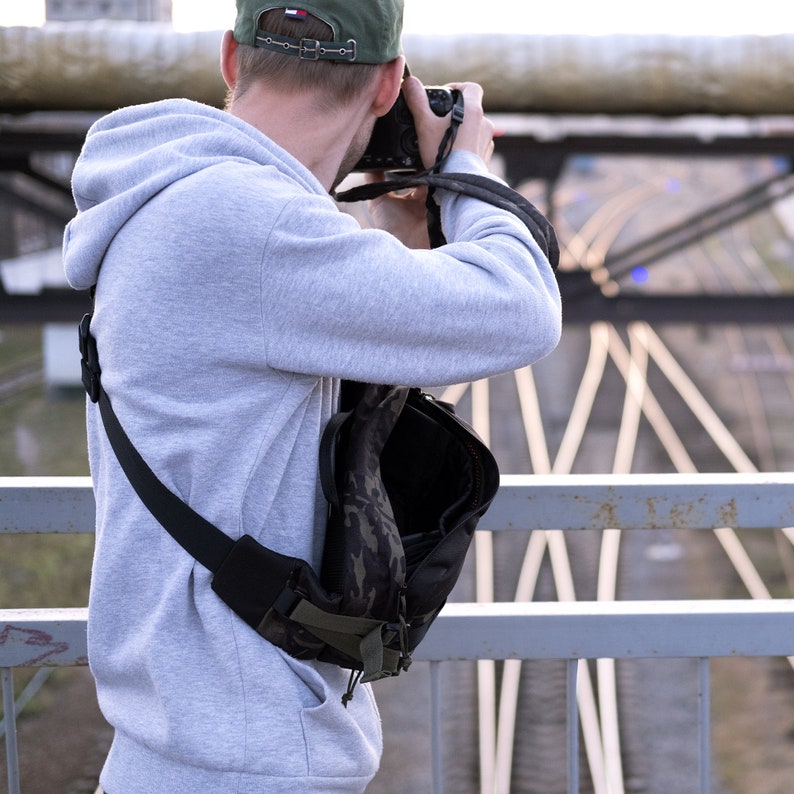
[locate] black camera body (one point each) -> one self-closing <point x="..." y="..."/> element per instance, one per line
<point x="394" y="145"/>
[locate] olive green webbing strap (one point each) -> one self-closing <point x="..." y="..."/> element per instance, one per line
<point x="360" y="638"/>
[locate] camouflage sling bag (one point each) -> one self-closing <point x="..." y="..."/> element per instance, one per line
<point x="406" y="481"/>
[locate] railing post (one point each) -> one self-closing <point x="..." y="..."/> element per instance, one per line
<point x="10" y="716"/>
<point x="435" y="728"/>
<point x="572" y="743"/>
<point x="704" y="724"/>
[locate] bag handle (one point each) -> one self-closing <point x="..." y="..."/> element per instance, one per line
<point x="328" y="445"/>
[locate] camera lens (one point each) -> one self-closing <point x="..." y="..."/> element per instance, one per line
<point x="441" y="101"/>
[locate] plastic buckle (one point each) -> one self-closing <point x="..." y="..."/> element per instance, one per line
<point x="286" y="601"/>
<point x="91" y="371"/>
<point x="310" y="50"/>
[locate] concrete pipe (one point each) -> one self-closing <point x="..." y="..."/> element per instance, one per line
<point x="105" y="65"/>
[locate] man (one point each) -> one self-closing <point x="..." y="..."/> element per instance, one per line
<point x="231" y="297"/>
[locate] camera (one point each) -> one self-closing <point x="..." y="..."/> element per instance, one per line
<point x="394" y="145"/>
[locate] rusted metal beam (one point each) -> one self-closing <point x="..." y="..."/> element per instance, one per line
<point x="642" y="501"/>
<point x="524" y="502"/>
<point x="537" y="630"/>
<point x="614" y="630"/>
<point x="43" y="637"/>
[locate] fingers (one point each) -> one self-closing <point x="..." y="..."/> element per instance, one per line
<point x="475" y="133"/>
<point x="472" y="93"/>
<point x="415" y="96"/>
<point x="477" y="130"/>
<point x="418" y="194"/>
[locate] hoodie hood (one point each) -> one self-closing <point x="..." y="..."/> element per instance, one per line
<point x="132" y="154"/>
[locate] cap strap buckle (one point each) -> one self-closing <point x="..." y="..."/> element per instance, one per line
<point x="308" y="49"/>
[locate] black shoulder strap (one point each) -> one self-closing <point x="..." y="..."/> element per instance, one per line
<point x="476" y="185"/>
<point x="195" y="534"/>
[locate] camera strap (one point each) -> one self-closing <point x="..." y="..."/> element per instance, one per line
<point x="447" y="142"/>
<point x="435" y="232"/>
<point x="475" y="185"/>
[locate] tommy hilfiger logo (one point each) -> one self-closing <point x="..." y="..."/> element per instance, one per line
<point x="295" y="13"/>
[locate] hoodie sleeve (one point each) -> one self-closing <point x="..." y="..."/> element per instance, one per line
<point x="359" y="305"/>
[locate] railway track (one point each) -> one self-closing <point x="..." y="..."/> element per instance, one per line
<point x="631" y="406"/>
<point x="19" y="378"/>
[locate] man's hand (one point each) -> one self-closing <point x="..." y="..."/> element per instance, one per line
<point x="405" y="215"/>
<point x="475" y="134"/>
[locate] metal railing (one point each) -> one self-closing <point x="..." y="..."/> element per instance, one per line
<point x="572" y="631"/>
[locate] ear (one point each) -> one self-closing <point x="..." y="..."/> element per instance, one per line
<point x="229" y="59"/>
<point x="390" y="81"/>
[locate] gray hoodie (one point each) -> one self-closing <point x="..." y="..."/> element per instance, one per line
<point x="232" y="295"/>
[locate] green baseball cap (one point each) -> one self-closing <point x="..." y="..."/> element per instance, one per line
<point x="365" y="31"/>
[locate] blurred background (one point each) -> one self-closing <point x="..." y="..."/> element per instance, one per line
<point x="659" y="140"/>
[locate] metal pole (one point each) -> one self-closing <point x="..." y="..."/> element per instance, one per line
<point x="435" y="728"/>
<point x="704" y="724"/>
<point x="10" y="714"/>
<point x="573" y="727"/>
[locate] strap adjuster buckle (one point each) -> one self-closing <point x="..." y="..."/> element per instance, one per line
<point x="309" y="50"/>
<point x="286" y="601"/>
<point x="90" y="359"/>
